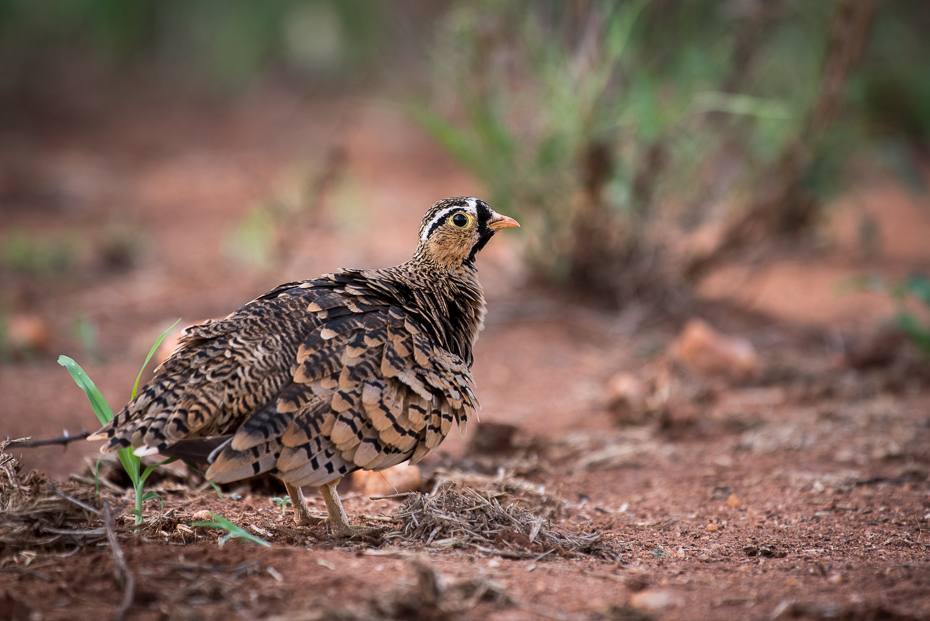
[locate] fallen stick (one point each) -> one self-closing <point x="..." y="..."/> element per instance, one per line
<point x="123" y="575"/>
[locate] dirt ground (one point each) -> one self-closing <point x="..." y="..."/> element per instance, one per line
<point x="802" y="492"/>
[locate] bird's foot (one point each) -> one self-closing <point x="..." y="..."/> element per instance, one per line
<point x="302" y="518"/>
<point x="347" y="531"/>
<point x="338" y="520"/>
<point x="302" y="515"/>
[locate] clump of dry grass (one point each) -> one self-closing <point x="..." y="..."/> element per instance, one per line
<point x="457" y="516"/>
<point x="507" y="483"/>
<point x="35" y="512"/>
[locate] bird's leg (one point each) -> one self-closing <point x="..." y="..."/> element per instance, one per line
<point x="302" y="515"/>
<point x="338" y="520"/>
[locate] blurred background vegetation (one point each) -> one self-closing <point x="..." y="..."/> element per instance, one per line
<point x="617" y="131"/>
<point x="212" y="44"/>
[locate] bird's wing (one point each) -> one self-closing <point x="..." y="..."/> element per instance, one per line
<point x="221" y="373"/>
<point x="369" y="390"/>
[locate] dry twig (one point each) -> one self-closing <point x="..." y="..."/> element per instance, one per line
<point x="64" y="440"/>
<point x="123" y="574"/>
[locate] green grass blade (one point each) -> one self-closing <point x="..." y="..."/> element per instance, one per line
<point x="97" y="402"/>
<point x="233" y="530"/>
<point x="97" y="475"/>
<point x="130" y="464"/>
<point x="151" y="468"/>
<point x="215" y="487"/>
<point x="919" y="286"/>
<point x="135" y="387"/>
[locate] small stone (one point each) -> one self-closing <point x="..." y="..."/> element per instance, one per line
<point x="397" y="480"/>
<point x="27" y="334"/>
<point x="202" y="516"/>
<point x="626" y="398"/>
<point x="711" y="353"/>
<point x="711" y="527"/>
<point x="733" y="501"/>
<point x="656" y="599"/>
<point x="835" y="578"/>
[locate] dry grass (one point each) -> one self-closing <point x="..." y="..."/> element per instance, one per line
<point x="35" y="512"/>
<point x="454" y="515"/>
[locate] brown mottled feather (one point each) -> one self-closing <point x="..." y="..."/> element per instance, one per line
<point x="358" y="369"/>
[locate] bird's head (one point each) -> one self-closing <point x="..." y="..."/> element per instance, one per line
<point x="455" y="229"/>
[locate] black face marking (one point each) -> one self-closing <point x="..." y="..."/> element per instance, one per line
<point x="484" y="233"/>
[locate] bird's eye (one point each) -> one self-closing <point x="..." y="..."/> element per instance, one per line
<point x="460" y="220"/>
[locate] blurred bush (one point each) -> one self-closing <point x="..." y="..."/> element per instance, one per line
<point x="38" y="256"/>
<point x="225" y="42"/>
<point x="615" y="129"/>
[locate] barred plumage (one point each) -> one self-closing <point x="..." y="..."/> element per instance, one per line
<point x="361" y="369"/>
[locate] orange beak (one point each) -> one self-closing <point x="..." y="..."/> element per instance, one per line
<point x="502" y="222"/>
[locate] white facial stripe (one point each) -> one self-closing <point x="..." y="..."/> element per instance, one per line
<point x="471" y="207"/>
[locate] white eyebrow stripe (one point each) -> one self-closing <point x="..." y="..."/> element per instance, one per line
<point x="471" y="207"/>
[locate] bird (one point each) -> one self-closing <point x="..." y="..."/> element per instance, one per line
<point x="357" y="369"/>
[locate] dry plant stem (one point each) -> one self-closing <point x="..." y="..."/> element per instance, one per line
<point x="64" y="440"/>
<point x="123" y="575"/>
<point x="302" y="515"/>
<point x="82" y="505"/>
<point x="235" y="569"/>
<point x="292" y="228"/>
<point x="781" y="205"/>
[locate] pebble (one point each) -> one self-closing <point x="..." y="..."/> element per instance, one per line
<point x="626" y="398"/>
<point x="27" y="333"/>
<point x="202" y="516"/>
<point x="656" y="599"/>
<point x="711" y="353"/>
<point x="397" y="480"/>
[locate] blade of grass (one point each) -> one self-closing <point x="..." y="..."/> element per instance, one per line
<point x="102" y="410"/>
<point x="97" y="402"/>
<point x="151" y="468"/>
<point x="215" y="487"/>
<point x="233" y="530"/>
<point x="135" y="387"/>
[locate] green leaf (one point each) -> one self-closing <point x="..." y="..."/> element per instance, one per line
<point x="149" y="496"/>
<point x="150" y="469"/>
<point x="97" y="402"/>
<point x="135" y="387"/>
<point x="919" y="286"/>
<point x="234" y="531"/>
<point x="741" y="105"/>
<point x="130" y="464"/>
<point x="215" y="487"/>
<point x="620" y="27"/>
<point x="917" y="332"/>
<point x="96" y="475"/>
